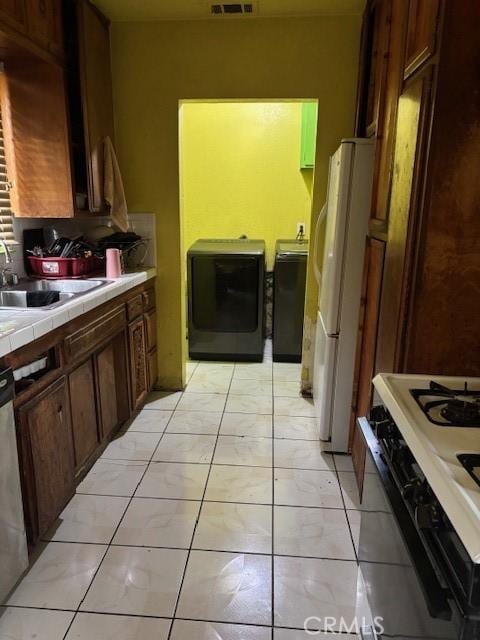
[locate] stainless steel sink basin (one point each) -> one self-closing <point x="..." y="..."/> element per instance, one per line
<point x="46" y="294"/>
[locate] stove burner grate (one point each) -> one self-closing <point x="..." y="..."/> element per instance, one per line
<point x="462" y="413"/>
<point x="449" y="407"/>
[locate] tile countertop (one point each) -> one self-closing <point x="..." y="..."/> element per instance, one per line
<point x="20" y="327"/>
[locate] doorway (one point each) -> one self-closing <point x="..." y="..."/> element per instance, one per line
<point x="246" y="170"/>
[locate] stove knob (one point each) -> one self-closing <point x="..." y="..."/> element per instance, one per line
<point x="428" y="516"/>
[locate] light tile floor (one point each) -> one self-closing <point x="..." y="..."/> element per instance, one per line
<point x="214" y="515"/>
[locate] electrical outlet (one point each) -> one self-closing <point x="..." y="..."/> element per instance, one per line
<point x="301" y="229"/>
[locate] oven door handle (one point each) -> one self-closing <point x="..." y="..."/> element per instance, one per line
<point x="436" y="596"/>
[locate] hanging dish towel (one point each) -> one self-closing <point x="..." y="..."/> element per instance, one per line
<point x="113" y="190"/>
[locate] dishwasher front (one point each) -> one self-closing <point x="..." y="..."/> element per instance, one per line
<point x="13" y="547"/>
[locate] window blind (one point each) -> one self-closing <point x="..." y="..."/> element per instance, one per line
<point x="6" y="217"/>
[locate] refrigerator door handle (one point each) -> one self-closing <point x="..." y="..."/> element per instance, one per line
<point x="316" y="269"/>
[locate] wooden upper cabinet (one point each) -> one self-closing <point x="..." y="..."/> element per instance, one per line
<point x="385" y="130"/>
<point x="90" y="96"/>
<point x="375" y="44"/>
<point x="36" y="138"/>
<point x="12" y="13"/>
<point x="421" y="33"/>
<point x="379" y="86"/>
<point x="44" y="22"/>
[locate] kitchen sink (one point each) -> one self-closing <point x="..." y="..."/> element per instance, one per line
<point x="46" y="294"/>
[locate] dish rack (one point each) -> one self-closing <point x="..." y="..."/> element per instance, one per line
<point x="65" y="267"/>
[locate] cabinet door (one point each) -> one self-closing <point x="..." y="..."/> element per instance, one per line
<point x="138" y="361"/>
<point x="36" y="138"/>
<point x="150" y="329"/>
<point x="96" y="94"/>
<point x="409" y="170"/>
<point x="46" y="442"/>
<point x="107" y="390"/>
<point x="385" y="128"/>
<point x="366" y="347"/>
<point x="84" y="412"/>
<point x="374" y="67"/>
<point x="44" y="18"/>
<point x="152" y="365"/>
<point x="421" y="33"/>
<point x="12" y="13"/>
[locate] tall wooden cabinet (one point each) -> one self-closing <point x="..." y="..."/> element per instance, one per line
<point x="426" y="313"/>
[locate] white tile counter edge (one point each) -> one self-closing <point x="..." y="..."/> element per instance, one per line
<point x="29" y="325"/>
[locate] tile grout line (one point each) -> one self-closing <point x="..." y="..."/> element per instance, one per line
<point x="114" y="533"/>
<point x="337" y="634"/>
<point x="258" y="504"/>
<point x="177" y="601"/>
<point x="346" y="511"/>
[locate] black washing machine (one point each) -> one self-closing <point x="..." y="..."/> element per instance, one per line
<point x="289" y="278"/>
<point x="226" y="299"/>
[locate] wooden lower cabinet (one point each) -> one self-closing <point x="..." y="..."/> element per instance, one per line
<point x="138" y="362"/>
<point x="47" y="457"/>
<point x="103" y="371"/>
<point x="86" y="434"/>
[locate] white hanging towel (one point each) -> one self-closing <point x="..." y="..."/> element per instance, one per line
<point x="113" y="190"/>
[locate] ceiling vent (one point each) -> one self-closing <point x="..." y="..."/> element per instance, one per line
<point x="233" y="8"/>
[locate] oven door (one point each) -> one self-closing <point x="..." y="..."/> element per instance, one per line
<point x="406" y="597"/>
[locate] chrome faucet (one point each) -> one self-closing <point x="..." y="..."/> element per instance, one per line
<point x="8" y="255"/>
<point x="7" y="277"/>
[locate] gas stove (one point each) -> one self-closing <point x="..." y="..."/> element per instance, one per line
<point x="419" y="547"/>
<point x="449" y="407"/>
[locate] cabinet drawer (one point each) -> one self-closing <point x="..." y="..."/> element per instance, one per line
<point x="134" y="307"/>
<point x="149" y="299"/>
<point x="151" y="329"/>
<point x="88" y="338"/>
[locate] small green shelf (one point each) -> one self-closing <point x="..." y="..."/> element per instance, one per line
<point x="309" y="135"/>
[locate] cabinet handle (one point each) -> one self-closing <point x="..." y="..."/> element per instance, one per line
<point x="59" y="409"/>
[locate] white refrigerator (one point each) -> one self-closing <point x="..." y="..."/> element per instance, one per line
<point x="347" y="212"/>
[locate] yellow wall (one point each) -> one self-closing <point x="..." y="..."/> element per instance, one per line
<point x="240" y="171"/>
<point x="156" y="64"/>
